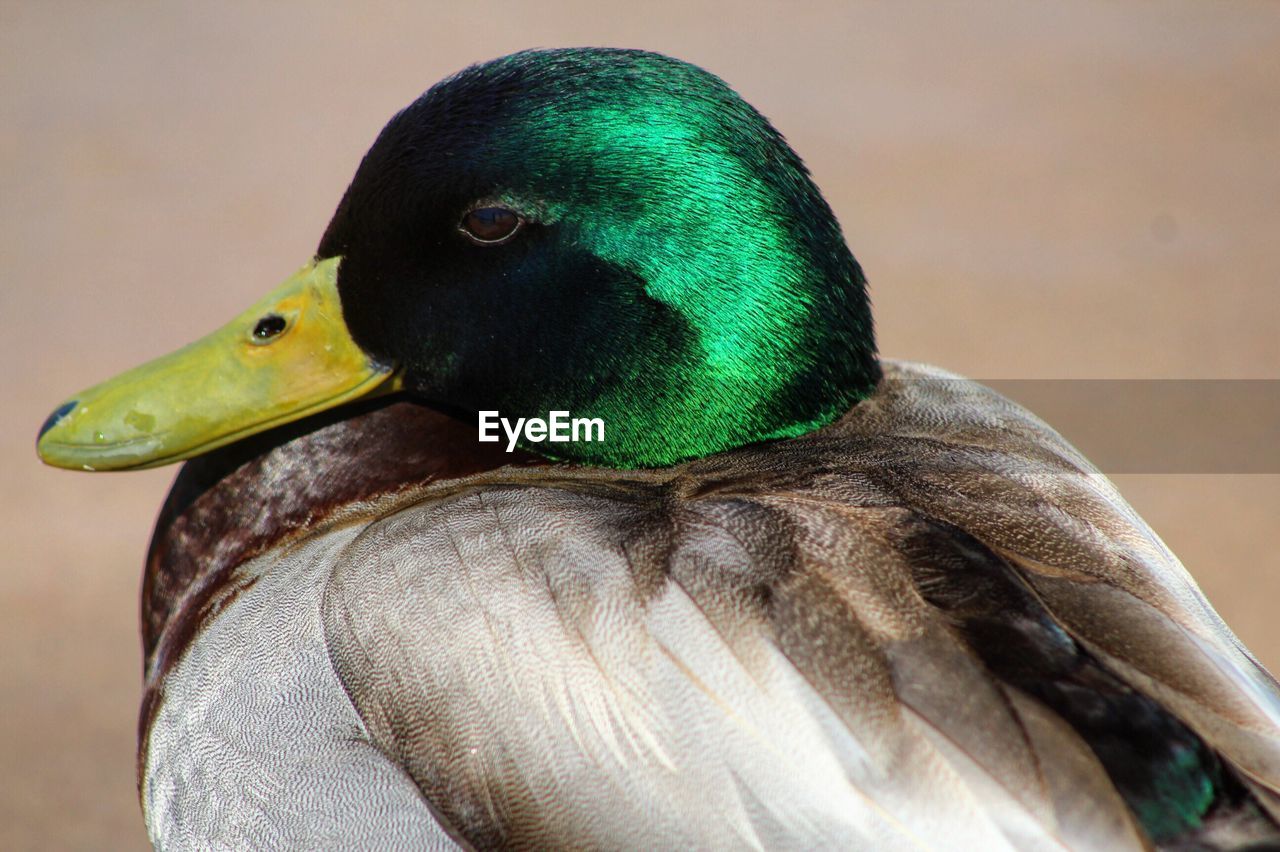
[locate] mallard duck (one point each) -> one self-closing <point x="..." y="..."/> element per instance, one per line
<point x="795" y="595"/>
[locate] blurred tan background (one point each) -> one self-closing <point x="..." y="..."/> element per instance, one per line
<point x="1084" y="190"/>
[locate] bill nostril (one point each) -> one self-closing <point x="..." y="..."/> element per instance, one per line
<point x="272" y="325"/>
<point x="58" y="413"/>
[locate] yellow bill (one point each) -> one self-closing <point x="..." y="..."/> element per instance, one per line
<point x="288" y="356"/>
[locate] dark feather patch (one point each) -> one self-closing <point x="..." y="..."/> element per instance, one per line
<point x="1174" y="783"/>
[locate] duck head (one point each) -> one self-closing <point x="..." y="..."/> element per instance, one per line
<point x="611" y="233"/>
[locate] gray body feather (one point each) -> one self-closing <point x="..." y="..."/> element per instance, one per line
<point x="740" y="652"/>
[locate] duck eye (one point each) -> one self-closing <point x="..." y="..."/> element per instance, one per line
<point x="490" y="225"/>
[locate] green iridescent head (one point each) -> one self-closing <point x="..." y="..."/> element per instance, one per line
<point x="675" y="271"/>
<point x="611" y="233"/>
